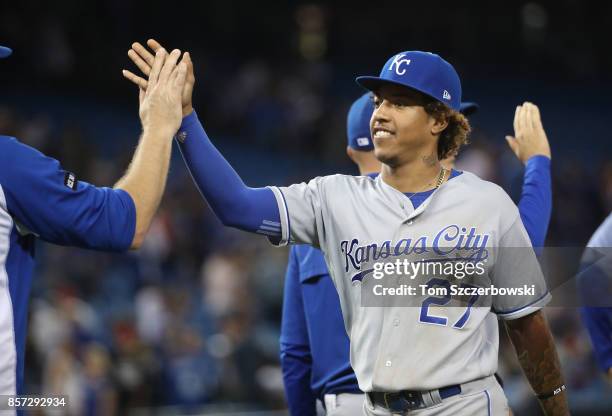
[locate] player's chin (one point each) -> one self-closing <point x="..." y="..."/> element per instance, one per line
<point x="385" y="155"/>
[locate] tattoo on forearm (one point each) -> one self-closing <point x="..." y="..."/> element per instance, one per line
<point x="541" y="368"/>
<point x="537" y="355"/>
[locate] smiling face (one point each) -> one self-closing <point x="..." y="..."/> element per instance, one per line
<point x="401" y="128"/>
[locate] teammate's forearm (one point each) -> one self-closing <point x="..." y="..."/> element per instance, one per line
<point x="537" y="355"/>
<point x="536" y="199"/>
<point x="145" y="179"/>
<point x="234" y="203"/>
<point x="296" y="364"/>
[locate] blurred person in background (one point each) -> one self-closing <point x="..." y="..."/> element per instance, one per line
<point x="137" y="369"/>
<point x="190" y="372"/>
<point x="40" y="199"/>
<point x="100" y="395"/>
<point x="88" y="383"/>
<point x="595" y="288"/>
<point x="63" y="375"/>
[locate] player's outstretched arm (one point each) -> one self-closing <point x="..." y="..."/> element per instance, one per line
<point x="160" y="115"/>
<point x="47" y="201"/>
<point x="531" y="147"/>
<point x="234" y="203"/>
<point x="537" y="355"/>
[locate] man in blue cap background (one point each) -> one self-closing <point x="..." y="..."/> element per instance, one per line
<point x="40" y="199"/>
<point x="435" y="362"/>
<point x="313" y="344"/>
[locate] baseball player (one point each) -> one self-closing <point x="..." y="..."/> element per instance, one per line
<point x="40" y="199"/>
<point x="595" y="288"/>
<point x="312" y="321"/>
<point x="408" y="360"/>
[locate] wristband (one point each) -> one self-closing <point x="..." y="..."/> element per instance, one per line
<point x="555" y="392"/>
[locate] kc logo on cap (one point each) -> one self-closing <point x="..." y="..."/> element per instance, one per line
<point x="397" y="62"/>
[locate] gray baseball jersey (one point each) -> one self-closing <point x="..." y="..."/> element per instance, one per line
<point x="418" y="344"/>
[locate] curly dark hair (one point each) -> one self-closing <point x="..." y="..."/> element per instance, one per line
<point x="455" y="134"/>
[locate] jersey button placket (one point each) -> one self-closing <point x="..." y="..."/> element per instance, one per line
<point x="406" y="208"/>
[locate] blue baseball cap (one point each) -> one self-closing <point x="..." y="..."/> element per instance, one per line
<point x="4" y="51"/>
<point x="468" y="108"/>
<point x="423" y="71"/>
<point x="358" y="123"/>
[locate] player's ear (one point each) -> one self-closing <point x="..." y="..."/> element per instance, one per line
<point x="440" y="123"/>
<point x="351" y="153"/>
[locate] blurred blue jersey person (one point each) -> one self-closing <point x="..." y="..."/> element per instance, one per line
<point x="314" y="344"/>
<point x="595" y="284"/>
<point x="39" y="199"/>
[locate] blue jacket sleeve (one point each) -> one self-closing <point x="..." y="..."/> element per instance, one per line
<point x="53" y="204"/>
<point x="595" y="291"/>
<point x="536" y="200"/>
<point x="234" y="203"/>
<point x="296" y="361"/>
<point x="598" y="321"/>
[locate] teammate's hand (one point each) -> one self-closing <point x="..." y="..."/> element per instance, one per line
<point x="143" y="59"/>
<point x="160" y="105"/>
<point x="529" y="135"/>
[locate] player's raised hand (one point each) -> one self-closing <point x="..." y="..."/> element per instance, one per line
<point x="529" y="136"/>
<point x="160" y="107"/>
<point x="143" y="58"/>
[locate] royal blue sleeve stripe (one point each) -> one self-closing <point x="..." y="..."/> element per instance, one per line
<point x="267" y="228"/>
<point x="272" y="223"/>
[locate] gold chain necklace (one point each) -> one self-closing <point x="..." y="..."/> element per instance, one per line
<point x="439" y="181"/>
<point x="441" y="178"/>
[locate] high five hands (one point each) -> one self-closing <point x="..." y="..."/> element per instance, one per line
<point x="160" y="99"/>
<point x="145" y="60"/>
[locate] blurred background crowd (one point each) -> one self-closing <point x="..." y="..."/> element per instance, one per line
<point x="190" y="322"/>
